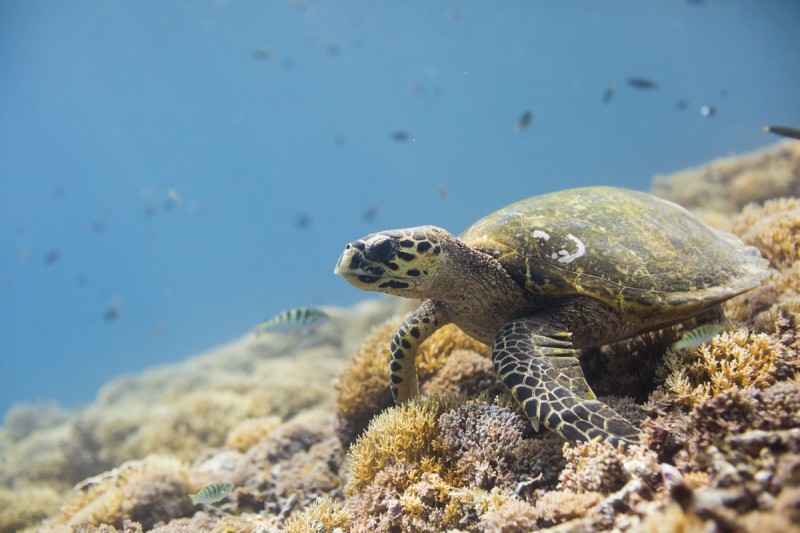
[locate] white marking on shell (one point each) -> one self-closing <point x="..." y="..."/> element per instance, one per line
<point x="563" y="256"/>
<point x="539" y="234"/>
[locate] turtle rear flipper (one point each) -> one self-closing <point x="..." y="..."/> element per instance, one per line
<point x="537" y="363"/>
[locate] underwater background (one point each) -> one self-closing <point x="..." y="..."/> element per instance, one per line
<point x="172" y="173"/>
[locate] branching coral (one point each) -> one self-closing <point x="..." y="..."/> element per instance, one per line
<point x="22" y="506"/>
<point x="731" y="359"/>
<point x="151" y="490"/>
<point x="322" y="516"/>
<point x="488" y="446"/>
<point x="404" y="434"/>
<point x="727" y="185"/>
<point x="363" y="387"/>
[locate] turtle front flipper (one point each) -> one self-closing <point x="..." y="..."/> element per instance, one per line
<point x="420" y="325"/>
<point x="538" y="364"/>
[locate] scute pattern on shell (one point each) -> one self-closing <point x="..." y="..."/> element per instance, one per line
<point x="641" y="254"/>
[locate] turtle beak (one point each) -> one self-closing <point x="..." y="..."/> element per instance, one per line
<point x="356" y="268"/>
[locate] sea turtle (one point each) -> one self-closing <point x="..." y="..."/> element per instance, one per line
<point x="548" y="276"/>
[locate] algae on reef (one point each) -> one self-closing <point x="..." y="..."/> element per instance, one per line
<point x="721" y="421"/>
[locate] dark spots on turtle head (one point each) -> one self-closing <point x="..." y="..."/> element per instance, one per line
<point x="393" y="284"/>
<point x="536" y="277"/>
<point x="569" y="416"/>
<point x="437" y="250"/>
<point x="413" y="272"/>
<point x="395" y="379"/>
<point x="406" y="243"/>
<point x="392" y="266"/>
<point x="367" y="279"/>
<point x="405" y="344"/>
<point x="413" y="320"/>
<point x="414" y="332"/>
<point x="424" y="246"/>
<point x="395" y="366"/>
<point x="381" y="250"/>
<point x="426" y="320"/>
<point x="405" y="256"/>
<point x="553" y="420"/>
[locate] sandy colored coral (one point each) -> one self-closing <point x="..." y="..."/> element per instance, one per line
<point x="726" y="185"/>
<point x="403" y="434"/>
<point x="363" y="387"/>
<point x="731" y="359"/>
<point x="151" y="490"/>
<point x="25" y="505"/>
<point x="323" y="516"/>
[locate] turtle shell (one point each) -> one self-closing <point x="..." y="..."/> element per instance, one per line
<point x="644" y="255"/>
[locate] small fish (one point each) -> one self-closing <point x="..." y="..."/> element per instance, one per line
<point x="401" y="136"/>
<point x="52" y="256"/>
<point x="642" y="83"/>
<point x="212" y="493"/>
<point x="370" y="213"/>
<point x="260" y="53"/>
<point x="609" y="94"/>
<point x="524" y="121"/>
<point x="697" y="336"/>
<point x="303" y="221"/>
<point x="293" y="319"/>
<point x="708" y="110"/>
<point x="785" y="131"/>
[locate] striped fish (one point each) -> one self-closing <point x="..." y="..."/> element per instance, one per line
<point x="697" y="336"/>
<point x="293" y="319"/>
<point x="212" y="493"/>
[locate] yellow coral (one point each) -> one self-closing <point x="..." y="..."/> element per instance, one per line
<point x="114" y="496"/>
<point x="404" y="434"/>
<point x="25" y="506"/>
<point x="323" y="516"/>
<point x="731" y="359"/>
<point x="773" y="228"/>
<point x="363" y="387"/>
<point x="250" y="432"/>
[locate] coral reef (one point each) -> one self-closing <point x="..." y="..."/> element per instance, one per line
<point x="723" y="187"/>
<point x="721" y="422"/>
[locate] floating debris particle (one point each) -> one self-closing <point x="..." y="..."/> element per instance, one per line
<point x="401" y="136"/>
<point x="58" y="192"/>
<point x="211" y="493"/>
<point x="784" y="131"/>
<point x="682" y="104"/>
<point x="443" y="191"/>
<point x="298" y="318"/>
<point x="52" y="256"/>
<point x="260" y="53"/>
<point x="332" y="49"/>
<point x="524" y="121"/>
<point x="697" y="336"/>
<point x="642" y="83"/>
<point x="708" y="110"/>
<point x="608" y="95"/>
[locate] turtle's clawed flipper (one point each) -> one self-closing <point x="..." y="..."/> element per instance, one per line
<point x="537" y="363"/>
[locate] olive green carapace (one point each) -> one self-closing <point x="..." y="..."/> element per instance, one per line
<point x="545" y="277"/>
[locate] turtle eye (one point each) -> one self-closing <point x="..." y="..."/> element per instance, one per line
<point x="381" y="250"/>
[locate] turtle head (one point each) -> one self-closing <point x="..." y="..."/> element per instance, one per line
<point x="404" y="262"/>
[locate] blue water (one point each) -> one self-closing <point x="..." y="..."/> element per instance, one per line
<point x="272" y="124"/>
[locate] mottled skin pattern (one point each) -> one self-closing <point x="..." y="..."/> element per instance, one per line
<point x="550" y="275"/>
